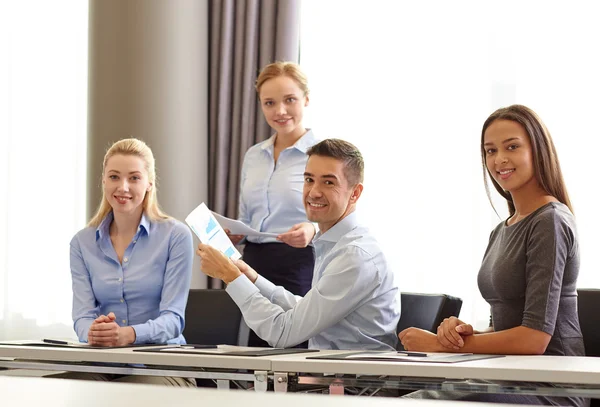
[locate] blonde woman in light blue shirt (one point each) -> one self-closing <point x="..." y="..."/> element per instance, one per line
<point x="131" y="266"/>
<point x="271" y="184"/>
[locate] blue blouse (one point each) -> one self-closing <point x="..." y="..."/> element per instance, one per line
<point x="271" y="194"/>
<point x="147" y="292"/>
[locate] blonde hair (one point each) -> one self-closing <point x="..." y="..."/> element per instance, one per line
<point x="138" y="148"/>
<point x="283" y="68"/>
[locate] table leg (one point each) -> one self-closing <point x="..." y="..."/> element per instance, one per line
<point x="261" y="380"/>
<point x="281" y="382"/>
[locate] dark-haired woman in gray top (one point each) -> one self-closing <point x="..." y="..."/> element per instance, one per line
<point x="530" y="268"/>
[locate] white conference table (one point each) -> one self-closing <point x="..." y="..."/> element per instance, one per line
<point x="568" y="376"/>
<point x="128" y="362"/>
<point x="76" y="393"/>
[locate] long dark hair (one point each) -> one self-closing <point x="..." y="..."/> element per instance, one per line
<point x="545" y="160"/>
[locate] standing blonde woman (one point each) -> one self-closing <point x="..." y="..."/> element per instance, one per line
<point x="131" y="266"/>
<point x="272" y="181"/>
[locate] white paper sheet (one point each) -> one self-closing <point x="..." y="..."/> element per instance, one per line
<point x="205" y="226"/>
<point x="237" y="227"/>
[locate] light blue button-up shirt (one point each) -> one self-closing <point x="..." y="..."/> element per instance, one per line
<point x="271" y="194"/>
<point x="148" y="291"/>
<point x="354" y="302"/>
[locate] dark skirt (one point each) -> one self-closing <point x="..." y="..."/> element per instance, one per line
<point x="287" y="266"/>
<point x="283" y="265"/>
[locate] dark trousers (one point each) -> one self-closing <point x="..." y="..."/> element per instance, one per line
<point x="283" y="265"/>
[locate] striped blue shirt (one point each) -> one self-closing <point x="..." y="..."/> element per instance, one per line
<point x="271" y="194"/>
<point x="147" y="292"/>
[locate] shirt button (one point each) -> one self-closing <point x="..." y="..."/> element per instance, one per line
<point x="122" y="300"/>
<point x="125" y="259"/>
<point x="124" y="321"/>
<point x="120" y="279"/>
<point x="134" y="241"/>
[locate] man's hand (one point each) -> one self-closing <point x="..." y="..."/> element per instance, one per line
<point x="300" y="235"/>
<point x="105" y="332"/>
<point x="216" y="265"/>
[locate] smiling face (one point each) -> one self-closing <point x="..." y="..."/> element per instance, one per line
<point x="125" y="183"/>
<point x="283" y="104"/>
<point x="327" y="196"/>
<point x="509" y="155"/>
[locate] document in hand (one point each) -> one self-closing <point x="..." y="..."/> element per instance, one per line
<point x="237" y="227"/>
<point x="205" y="226"/>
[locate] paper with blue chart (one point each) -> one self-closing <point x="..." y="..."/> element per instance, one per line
<point x="205" y="226"/>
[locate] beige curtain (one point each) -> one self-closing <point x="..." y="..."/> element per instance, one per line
<point x="244" y="35"/>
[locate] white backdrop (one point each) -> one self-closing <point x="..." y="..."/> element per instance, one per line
<point x="411" y="83"/>
<point x="43" y="107"/>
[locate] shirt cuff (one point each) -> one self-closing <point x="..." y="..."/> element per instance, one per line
<point x="265" y="287"/>
<point x="241" y="289"/>
<point x="142" y="333"/>
<point x="83" y="326"/>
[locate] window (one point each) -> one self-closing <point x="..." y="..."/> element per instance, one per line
<point x="43" y="108"/>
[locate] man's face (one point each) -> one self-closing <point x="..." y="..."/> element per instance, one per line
<point x="327" y="196"/>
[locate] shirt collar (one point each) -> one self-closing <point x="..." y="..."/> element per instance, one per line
<point x="144" y="224"/>
<point x="268" y="143"/>
<point x="339" y="229"/>
<point x="103" y="228"/>
<point x="303" y="144"/>
<point x="306" y="141"/>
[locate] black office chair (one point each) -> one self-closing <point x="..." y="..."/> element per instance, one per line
<point x="212" y="318"/>
<point x="426" y="311"/>
<point x="588" y="304"/>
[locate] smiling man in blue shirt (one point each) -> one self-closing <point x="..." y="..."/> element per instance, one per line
<point x="354" y="302"/>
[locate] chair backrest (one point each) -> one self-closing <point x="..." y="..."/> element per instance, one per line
<point x="212" y="318"/>
<point x="588" y="304"/>
<point x="426" y="311"/>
